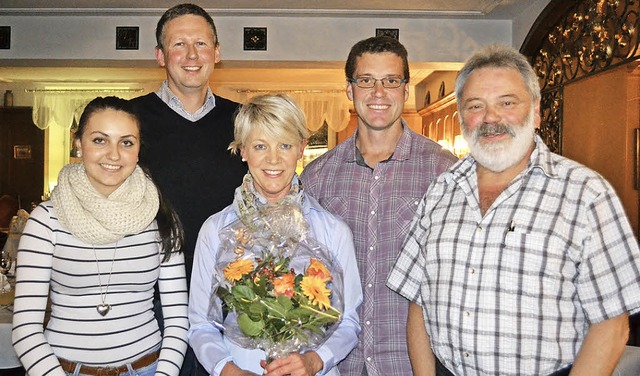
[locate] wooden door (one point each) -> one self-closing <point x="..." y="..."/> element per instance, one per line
<point x="21" y="156"/>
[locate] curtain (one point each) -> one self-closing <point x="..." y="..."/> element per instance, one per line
<point x="61" y="107"/>
<point x="319" y="107"/>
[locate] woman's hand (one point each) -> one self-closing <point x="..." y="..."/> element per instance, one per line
<point x="307" y="364"/>
<point x="231" y="369"/>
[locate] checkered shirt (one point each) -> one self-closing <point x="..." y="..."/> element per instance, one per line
<point x="514" y="292"/>
<point x="378" y="205"/>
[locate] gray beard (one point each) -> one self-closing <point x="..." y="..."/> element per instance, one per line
<point x="499" y="156"/>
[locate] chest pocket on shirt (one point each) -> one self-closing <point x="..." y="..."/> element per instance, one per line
<point x="336" y="205"/>
<point x="405" y="212"/>
<point x="535" y="265"/>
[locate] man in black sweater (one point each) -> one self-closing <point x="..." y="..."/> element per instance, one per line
<point x="186" y="129"/>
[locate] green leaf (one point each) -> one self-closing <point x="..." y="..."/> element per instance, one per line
<point x="315" y="329"/>
<point x="243" y="292"/>
<point x="322" y="320"/>
<point x="260" y="287"/>
<point x="223" y="293"/>
<point x="300" y="314"/>
<point x="275" y="308"/>
<point x="248" y="326"/>
<point x="256" y="308"/>
<point x="285" y="302"/>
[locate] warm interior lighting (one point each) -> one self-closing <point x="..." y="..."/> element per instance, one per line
<point x="460" y="146"/>
<point x="446" y="144"/>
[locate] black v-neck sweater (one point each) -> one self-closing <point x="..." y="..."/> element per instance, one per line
<point x="189" y="161"/>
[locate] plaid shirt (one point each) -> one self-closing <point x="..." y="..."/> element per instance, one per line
<point x="378" y="204"/>
<point x="514" y="292"/>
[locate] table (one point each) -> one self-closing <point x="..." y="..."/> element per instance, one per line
<point x="8" y="357"/>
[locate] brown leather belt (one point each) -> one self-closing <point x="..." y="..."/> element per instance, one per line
<point x="145" y="360"/>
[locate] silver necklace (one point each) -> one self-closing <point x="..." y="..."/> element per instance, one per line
<point x="104" y="308"/>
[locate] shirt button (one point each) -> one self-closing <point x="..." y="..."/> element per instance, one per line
<point x="472" y="271"/>
<point x="368" y="359"/>
<point x="467" y="314"/>
<point x="371" y="248"/>
<point x="373" y="212"/>
<point x="376" y="177"/>
<point x="480" y="228"/>
<point x="466" y="354"/>
<point x="368" y="322"/>
<point x="369" y="285"/>
<point x="416" y="203"/>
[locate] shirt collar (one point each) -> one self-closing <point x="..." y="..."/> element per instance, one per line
<point x="401" y="152"/>
<point x="168" y="97"/>
<point x="542" y="158"/>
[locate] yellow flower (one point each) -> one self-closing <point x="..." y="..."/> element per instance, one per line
<point x="316" y="290"/>
<point x="284" y="285"/>
<point x="317" y="269"/>
<point x="235" y="270"/>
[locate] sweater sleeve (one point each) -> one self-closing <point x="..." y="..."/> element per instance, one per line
<point x="33" y="275"/>
<point x="173" y="295"/>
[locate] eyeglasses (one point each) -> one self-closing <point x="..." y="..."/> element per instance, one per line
<point x="366" y="82"/>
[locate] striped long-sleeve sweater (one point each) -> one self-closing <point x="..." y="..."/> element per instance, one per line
<point x="76" y="276"/>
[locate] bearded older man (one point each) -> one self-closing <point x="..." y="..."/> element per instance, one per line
<point x="519" y="261"/>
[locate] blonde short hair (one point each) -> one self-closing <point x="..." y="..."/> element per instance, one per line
<point x="277" y="116"/>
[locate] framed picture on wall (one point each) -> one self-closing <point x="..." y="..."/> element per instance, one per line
<point x="255" y="39"/>
<point x="393" y="33"/>
<point x="127" y="37"/>
<point x="22" y="152"/>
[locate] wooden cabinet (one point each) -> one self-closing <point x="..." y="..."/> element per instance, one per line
<point x="21" y="156"/>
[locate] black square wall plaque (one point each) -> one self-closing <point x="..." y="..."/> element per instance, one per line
<point x="255" y="38"/>
<point x="393" y="33"/>
<point x="127" y="37"/>
<point x="5" y="37"/>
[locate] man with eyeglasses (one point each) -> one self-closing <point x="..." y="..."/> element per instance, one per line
<point x="374" y="181"/>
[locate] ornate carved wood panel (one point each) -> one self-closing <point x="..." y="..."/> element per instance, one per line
<point x="572" y="40"/>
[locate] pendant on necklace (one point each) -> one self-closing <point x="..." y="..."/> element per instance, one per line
<point x="103" y="309"/>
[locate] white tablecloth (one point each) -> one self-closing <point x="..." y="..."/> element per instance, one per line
<point x="8" y="357"/>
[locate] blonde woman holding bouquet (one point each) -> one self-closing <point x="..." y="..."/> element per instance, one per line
<point x="98" y="249"/>
<point x="271" y="134"/>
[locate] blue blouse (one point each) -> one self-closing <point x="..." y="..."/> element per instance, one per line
<point x="214" y="351"/>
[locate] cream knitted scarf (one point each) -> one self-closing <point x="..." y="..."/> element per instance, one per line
<point x="95" y="219"/>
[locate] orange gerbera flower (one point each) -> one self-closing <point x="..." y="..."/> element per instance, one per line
<point x="284" y="285"/>
<point x="316" y="290"/>
<point x="237" y="269"/>
<point x="317" y="269"/>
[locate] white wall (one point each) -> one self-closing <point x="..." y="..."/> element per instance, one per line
<point x="522" y="24"/>
<point x="92" y="37"/>
<point x="289" y="38"/>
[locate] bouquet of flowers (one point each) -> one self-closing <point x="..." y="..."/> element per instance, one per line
<point x="281" y="291"/>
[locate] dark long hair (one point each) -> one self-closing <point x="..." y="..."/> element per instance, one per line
<point x="169" y="225"/>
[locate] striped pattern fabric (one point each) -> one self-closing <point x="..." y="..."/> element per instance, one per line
<point x="53" y="263"/>
<point x="513" y="292"/>
<point x="378" y="205"/>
